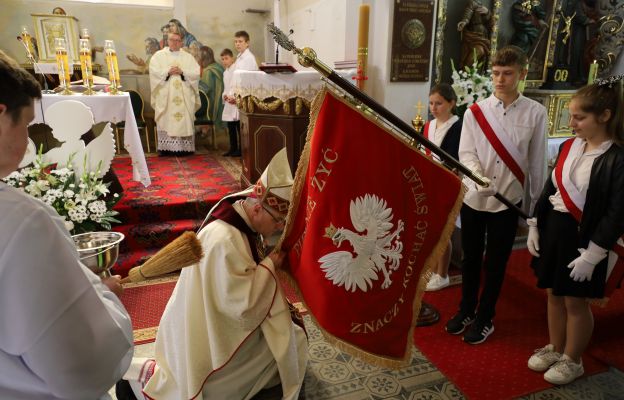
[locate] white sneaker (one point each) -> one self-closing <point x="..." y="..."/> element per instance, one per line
<point x="544" y="358"/>
<point x="437" y="282"/>
<point x="564" y="371"/>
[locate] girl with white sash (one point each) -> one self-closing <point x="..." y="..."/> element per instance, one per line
<point x="579" y="218"/>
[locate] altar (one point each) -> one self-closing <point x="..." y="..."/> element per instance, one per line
<point x="107" y="108"/>
<point x="274" y="113"/>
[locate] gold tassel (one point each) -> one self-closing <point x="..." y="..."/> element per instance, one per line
<point x="181" y="252"/>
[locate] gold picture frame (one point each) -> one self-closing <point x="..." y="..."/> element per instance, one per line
<point x="49" y="27"/>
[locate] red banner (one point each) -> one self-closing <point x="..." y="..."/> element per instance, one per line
<point x="370" y="214"/>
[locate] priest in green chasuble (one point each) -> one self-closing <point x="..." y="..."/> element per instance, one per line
<point x="174" y="80"/>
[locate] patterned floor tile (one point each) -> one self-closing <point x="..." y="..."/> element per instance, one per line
<point x="334" y="375"/>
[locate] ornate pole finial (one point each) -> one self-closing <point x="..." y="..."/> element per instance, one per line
<point x="418" y="121"/>
<point x="306" y="56"/>
<point x="280" y="37"/>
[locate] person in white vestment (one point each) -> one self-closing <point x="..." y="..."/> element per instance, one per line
<point x="174" y="80"/>
<point x="503" y="140"/>
<point x="226" y="332"/>
<point x="245" y="61"/>
<point x="64" y="334"/>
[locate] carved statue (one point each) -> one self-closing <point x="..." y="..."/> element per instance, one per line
<point x="476" y="28"/>
<point x="572" y="38"/>
<point x="528" y="18"/>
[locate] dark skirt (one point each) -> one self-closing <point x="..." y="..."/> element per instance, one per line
<point x="559" y="243"/>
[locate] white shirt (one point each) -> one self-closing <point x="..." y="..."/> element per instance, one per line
<point x="63" y="334"/>
<point x="525" y="122"/>
<point x="580" y="172"/>
<point x="246" y="61"/>
<point x="440" y="131"/>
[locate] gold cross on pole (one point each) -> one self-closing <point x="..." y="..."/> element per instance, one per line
<point x="419" y="107"/>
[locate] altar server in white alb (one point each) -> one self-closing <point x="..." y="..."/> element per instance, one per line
<point x="502" y="140"/>
<point x="174" y="80"/>
<point x="64" y="334"/>
<point x="245" y="61"/>
<point x="227" y="331"/>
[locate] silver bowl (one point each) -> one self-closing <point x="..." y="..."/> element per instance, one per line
<point x="98" y="250"/>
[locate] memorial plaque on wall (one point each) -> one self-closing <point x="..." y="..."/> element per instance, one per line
<point x="411" y="40"/>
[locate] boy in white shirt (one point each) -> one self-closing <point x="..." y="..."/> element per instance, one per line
<point x="245" y="61"/>
<point x="502" y="140"/>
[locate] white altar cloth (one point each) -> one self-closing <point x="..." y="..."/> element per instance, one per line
<point x="303" y="84"/>
<point x="105" y="108"/>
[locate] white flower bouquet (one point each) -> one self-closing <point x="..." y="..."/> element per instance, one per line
<point x="470" y="86"/>
<point x="82" y="201"/>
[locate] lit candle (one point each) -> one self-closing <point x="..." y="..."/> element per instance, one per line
<point x="522" y="83"/>
<point x="363" y="26"/>
<point x="85" y="66"/>
<point x="110" y="54"/>
<point x="62" y="63"/>
<point x="363" y="44"/>
<point x="593" y="72"/>
<point x="27" y="40"/>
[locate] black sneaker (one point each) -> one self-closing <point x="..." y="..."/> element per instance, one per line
<point x="459" y="322"/>
<point x="478" y="332"/>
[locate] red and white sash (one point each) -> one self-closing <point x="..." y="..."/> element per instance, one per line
<point x="574" y="202"/>
<point x="503" y="146"/>
<point x="430" y="126"/>
<point x="572" y="198"/>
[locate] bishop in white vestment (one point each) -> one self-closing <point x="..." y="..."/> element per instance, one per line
<point x="174" y="80"/>
<point x="227" y="331"/>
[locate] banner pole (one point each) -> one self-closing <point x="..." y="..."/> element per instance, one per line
<point x="307" y="58"/>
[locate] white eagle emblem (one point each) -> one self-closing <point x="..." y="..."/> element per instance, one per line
<point x="373" y="250"/>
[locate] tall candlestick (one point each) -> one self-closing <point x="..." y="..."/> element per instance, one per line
<point x="522" y="83"/>
<point x="593" y="72"/>
<point x="110" y="54"/>
<point x="28" y="44"/>
<point x="362" y="56"/>
<point x="62" y="63"/>
<point x="85" y="66"/>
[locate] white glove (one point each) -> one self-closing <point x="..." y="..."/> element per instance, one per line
<point x="583" y="266"/>
<point x="533" y="238"/>
<point x="487" y="191"/>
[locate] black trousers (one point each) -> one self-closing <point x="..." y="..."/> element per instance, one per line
<point x="233" y="132"/>
<point x="500" y="230"/>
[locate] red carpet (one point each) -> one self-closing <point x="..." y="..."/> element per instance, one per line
<point x="183" y="189"/>
<point x="607" y="343"/>
<point x="145" y="303"/>
<point x="497" y="368"/>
